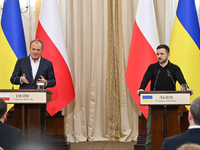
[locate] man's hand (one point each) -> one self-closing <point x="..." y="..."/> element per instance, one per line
<point x="42" y="80"/>
<point x="190" y="91"/>
<point x="24" y="80"/>
<point x="139" y="91"/>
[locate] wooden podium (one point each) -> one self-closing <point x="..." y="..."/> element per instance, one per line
<point x="27" y="111"/>
<point x="164" y="113"/>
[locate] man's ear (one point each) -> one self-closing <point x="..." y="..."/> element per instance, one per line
<point x="4" y="116"/>
<point x="190" y="117"/>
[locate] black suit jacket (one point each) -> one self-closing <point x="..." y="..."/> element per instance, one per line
<point x="10" y="137"/>
<point x="23" y="66"/>
<point x="173" y="142"/>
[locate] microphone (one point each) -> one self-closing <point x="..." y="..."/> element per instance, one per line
<point x="156" y="80"/>
<point x="33" y="84"/>
<point x="15" y="77"/>
<point x="32" y="77"/>
<point x="169" y="75"/>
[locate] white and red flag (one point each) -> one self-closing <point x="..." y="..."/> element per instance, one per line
<point x="5" y="97"/>
<point x="49" y="30"/>
<point x="142" y="50"/>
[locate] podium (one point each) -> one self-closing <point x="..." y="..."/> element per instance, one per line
<point x="27" y="109"/>
<point x="164" y="113"/>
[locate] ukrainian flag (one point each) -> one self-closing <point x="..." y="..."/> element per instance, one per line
<point x="12" y="41"/>
<point x="185" y="44"/>
<point x="147" y="98"/>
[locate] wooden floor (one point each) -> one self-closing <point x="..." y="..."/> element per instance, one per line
<point x="102" y="146"/>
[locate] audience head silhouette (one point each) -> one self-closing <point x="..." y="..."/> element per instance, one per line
<point x="3" y="110"/>
<point x="189" y="147"/>
<point x="194" y="113"/>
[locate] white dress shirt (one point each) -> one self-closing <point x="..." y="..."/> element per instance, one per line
<point x="34" y="66"/>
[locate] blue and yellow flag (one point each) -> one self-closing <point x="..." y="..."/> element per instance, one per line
<point x="185" y="44"/>
<point x="12" y="41"/>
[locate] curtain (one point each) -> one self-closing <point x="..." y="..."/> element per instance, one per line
<point x="98" y="39"/>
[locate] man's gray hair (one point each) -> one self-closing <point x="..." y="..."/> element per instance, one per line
<point x="195" y="110"/>
<point x="37" y="40"/>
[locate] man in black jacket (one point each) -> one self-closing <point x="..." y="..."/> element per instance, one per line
<point x="192" y="135"/>
<point x="163" y="76"/>
<point x="10" y="137"/>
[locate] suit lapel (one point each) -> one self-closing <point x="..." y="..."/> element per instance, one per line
<point x="28" y="64"/>
<point x="39" y="68"/>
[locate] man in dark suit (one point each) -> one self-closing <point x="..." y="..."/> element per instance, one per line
<point x="10" y="137"/>
<point x="34" y="69"/>
<point x="192" y="135"/>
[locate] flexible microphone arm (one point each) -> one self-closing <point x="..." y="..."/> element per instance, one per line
<point x="156" y="80"/>
<point x="169" y="75"/>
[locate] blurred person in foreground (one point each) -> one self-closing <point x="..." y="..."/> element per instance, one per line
<point x="10" y="137"/>
<point x="192" y="135"/>
<point x="189" y="147"/>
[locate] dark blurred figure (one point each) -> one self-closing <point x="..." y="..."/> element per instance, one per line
<point x="10" y="137"/>
<point x="35" y="146"/>
<point x="189" y="147"/>
<point x="192" y="135"/>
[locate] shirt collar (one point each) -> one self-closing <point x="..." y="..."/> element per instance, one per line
<point x="168" y="65"/>
<point x="36" y="61"/>
<point x="194" y="127"/>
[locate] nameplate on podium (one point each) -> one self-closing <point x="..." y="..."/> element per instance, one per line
<point x="25" y="96"/>
<point x="165" y="98"/>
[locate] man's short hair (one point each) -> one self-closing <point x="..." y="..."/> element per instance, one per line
<point x="163" y="46"/>
<point x="3" y="107"/>
<point x="37" y="40"/>
<point x="195" y="110"/>
<point x="189" y="146"/>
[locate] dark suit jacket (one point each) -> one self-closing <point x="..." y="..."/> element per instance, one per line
<point x="23" y="66"/>
<point x="10" y="137"/>
<point x="173" y="142"/>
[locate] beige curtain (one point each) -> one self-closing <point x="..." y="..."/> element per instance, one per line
<point x="98" y="40"/>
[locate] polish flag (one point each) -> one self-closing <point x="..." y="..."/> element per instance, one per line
<point x="49" y="30"/>
<point x="142" y="50"/>
<point x="5" y="97"/>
